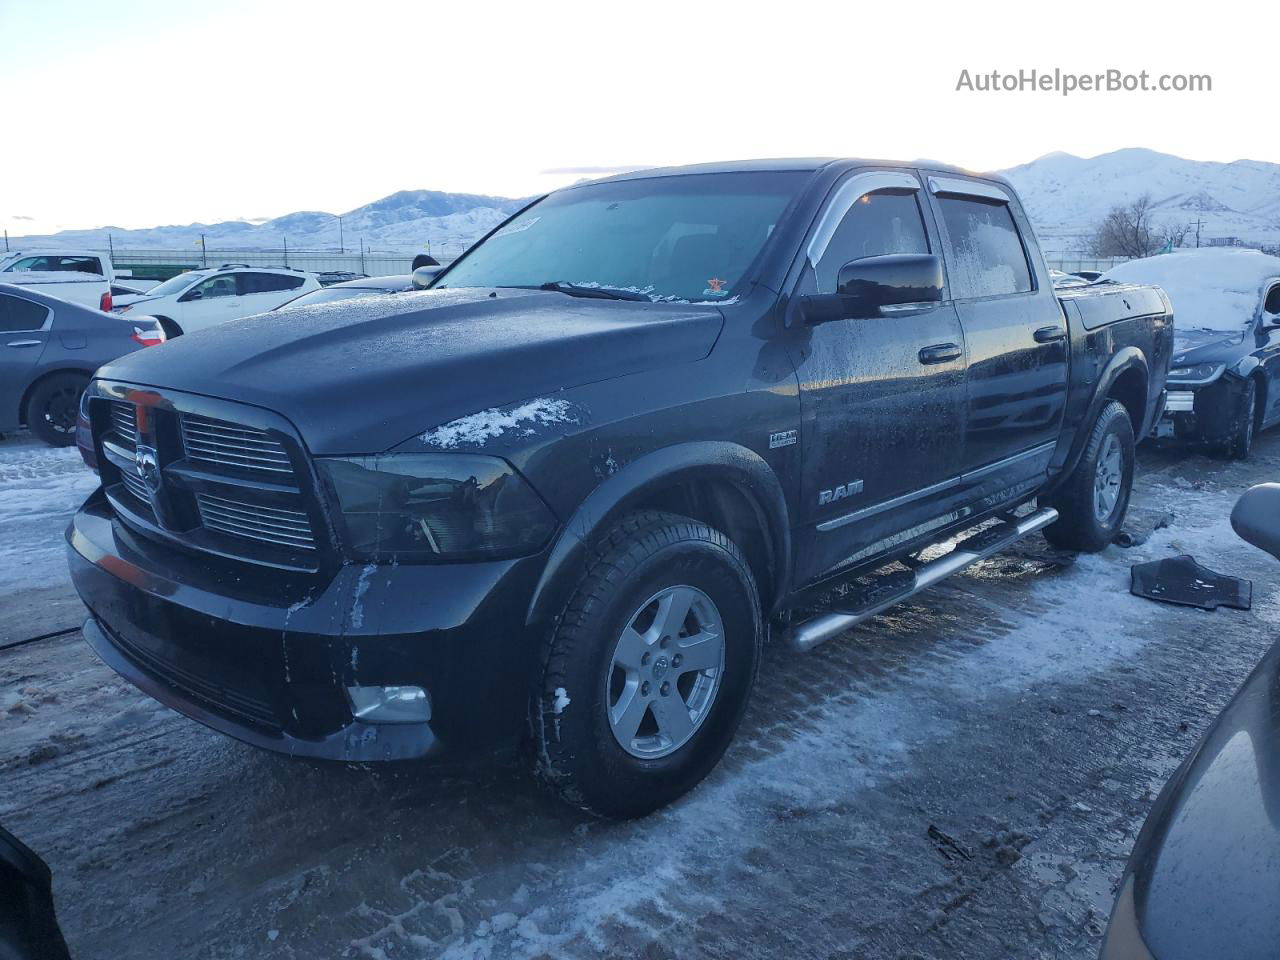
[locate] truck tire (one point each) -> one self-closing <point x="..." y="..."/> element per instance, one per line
<point x="647" y="673"/>
<point x="53" y="406"/>
<point x="1244" y="423"/>
<point x="1092" y="502"/>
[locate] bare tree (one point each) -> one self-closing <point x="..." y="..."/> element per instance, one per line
<point x="1173" y="235"/>
<point x="1128" y="231"/>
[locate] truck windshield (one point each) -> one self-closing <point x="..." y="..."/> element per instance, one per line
<point x="679" y="238"/>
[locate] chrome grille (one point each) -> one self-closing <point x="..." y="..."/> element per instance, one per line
<point x="124" y="421"/>
<point x="232" y="445"/>
<point x="133" y="483"/>
<point x="289" y="528"/>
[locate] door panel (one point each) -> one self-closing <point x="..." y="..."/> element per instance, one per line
<point x="882" y="398"/>
<point x="1017" y="389"/>
<point x="1016" y="336"/>
<point x="877" y="424"/>
<point x="25" y="329"/>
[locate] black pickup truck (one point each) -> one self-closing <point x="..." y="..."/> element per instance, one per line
<point x="569" y="489"/>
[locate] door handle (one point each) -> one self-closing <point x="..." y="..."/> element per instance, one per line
<point x="24" y="343"/>
<point x="1050" y="334"/>
<point x="940" y="353"/>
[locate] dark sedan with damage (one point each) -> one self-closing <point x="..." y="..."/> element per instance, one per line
<point x="1224" y="383"/>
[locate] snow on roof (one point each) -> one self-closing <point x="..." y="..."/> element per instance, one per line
<point x="1212" y="288"/>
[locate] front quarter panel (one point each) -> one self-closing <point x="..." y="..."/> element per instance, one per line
<point x="597" y="449"/>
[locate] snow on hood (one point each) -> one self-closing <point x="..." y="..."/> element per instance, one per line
<point x="1214" y="289"/>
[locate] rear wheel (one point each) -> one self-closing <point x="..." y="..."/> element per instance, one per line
<point x="1093" y="501"/>
<point x="53" y="406"/>
<point x="648" y="673"/>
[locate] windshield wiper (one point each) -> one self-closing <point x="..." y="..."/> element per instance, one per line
<point x="593" y="292"/>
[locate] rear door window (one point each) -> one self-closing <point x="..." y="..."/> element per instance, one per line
<point x="985" y="255"/>
<point x="17" y="314"/>
<point x="267" y="282"/>
<point x="882" y="222"/>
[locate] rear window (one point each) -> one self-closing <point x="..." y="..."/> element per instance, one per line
<point x="56" y="264"/>
<point x="985" y="256"/>
<point x="18" y="314"/>
<point x="266" y="282"/>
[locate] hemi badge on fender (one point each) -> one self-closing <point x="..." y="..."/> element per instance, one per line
<point x="784" y="439"/>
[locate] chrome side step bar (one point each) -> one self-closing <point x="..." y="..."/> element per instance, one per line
<point x="805" y="636"/>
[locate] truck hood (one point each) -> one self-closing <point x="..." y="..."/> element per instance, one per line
<point x="1192" y="346"/>
<point x="360" y="376"/>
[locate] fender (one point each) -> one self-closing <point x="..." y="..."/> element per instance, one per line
<point x="1127" y="358"/>
<point x="1245" y="367"/>
<point x="710" y="459"/>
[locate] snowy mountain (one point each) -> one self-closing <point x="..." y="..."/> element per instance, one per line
<point x="1066" y="195"/>
<point x="401" y="222"/>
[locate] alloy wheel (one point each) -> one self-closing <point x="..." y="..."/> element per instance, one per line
<point x="665" y="672"/>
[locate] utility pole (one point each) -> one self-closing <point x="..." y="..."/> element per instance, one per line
<point x="6" y="241"/>
<point x="204" y="254"/>
<point x="111" y="249"/>
<point x="1199" y="223"/>
<point x="342" y="247"/>
<point x="286" y="251"/>
<point x="362" y="269"/>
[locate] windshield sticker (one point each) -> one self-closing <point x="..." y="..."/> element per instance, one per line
<point x="715" y="288"/>
<point x="520" y="227"/>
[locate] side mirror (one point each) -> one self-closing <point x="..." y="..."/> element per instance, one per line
<point x="423" y="277"/>
<point x="193" y="295"/>
<point x="864" y="286"/>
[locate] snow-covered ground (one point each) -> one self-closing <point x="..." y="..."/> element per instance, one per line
<point x="40" y="488"/>
<point x="960" y="778"/>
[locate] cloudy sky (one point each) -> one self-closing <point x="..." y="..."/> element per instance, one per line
<point x="143" y="113"/>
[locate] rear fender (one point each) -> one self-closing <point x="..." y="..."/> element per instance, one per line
<point x="1125" y="359"/>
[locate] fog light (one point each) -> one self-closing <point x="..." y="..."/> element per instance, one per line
<point x="390" y="704"/>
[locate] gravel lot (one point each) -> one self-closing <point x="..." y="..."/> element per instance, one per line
<point x="961" y="778"/>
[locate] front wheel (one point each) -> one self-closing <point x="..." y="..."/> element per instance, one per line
<point x="648" y="673"/>
<point x="1244" y="423"/>
<point x="1092" y="502"/>
<point x="53" y="407"/>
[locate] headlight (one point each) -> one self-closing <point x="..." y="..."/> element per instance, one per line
<point x="425" y="508"/>
<point x="1202" y="373"/>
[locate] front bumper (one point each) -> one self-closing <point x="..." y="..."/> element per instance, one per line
<point x="266" y="657"/>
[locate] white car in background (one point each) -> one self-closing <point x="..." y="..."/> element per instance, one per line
<point x="203" y="298"/>
<point x="77" y="276"/>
